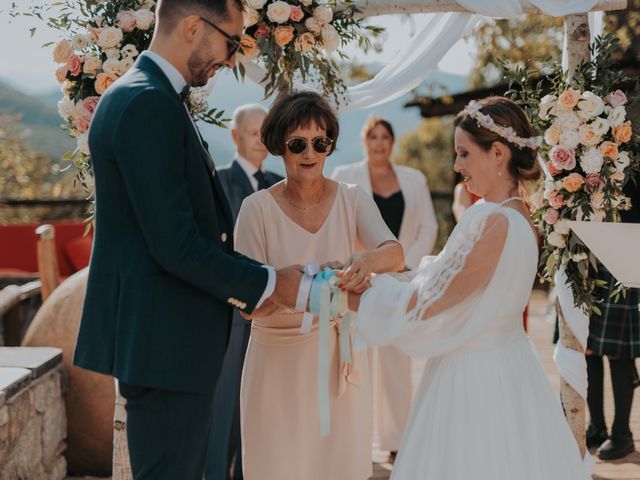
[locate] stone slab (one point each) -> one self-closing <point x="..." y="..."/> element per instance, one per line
<point x="12" y="380"/>
<point x="39" y="360"/>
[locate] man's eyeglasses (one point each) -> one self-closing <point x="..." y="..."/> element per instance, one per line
<point x="233" y="42"/>
<point x="299" y="144"/>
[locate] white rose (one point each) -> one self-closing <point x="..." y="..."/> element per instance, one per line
<point x="590" y="104"/>
<point x="306" y="3"/>
<point x="591" y="161"/>
<point x="570" y="139"/>
<point x="251" y="17"/>
<point x="129" y="51"/>
<point x="601" y="126"/>
<point x="147" y="5"/>
<point x="622" y="161"/>
<point x="110" y="37"/>
<point x="568" y="121"/>
<point x="618" y="176"/>
<point x="62" y="51"/>
<point x="257" y="4"/>
<point x="617" y="116"/>
<point x="66" y="107"/>
<point x="546" y="104"/>
<point x="556" y="239"/>
<point x="313" y="26"/>
<point x="80" y="41"/>
<point x="112" y="67"/>
<point x="562" y="227"/>
<point x="92" y="65"/>
<point x="323" y="14"/>
<point x="144" y="19"/>
<point x="330" y="38"/>
<point x="112" y="53"/>
<point x="98" y="20"/>
<point x="83" y="143"/>
<point x="579" y="257"/>
<point x="126" y="63"/>
<point x="278" y="12"/>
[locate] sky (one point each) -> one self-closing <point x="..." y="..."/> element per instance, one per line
<point x="30" y="67"/>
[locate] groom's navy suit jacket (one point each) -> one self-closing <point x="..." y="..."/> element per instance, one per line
<point x="163" y="276"/>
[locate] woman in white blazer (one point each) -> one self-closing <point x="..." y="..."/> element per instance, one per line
<point x="403" y="198"/>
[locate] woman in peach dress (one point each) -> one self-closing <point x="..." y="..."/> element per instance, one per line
<point x="307" y="217"/>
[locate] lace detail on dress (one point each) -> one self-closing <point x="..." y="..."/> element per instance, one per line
<point x="437" y="273"/>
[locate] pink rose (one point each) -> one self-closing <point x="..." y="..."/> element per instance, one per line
<point x="563" y="158"/>
<point x="594" y="183"/>
<point x="551" y="216"/>
<point x="74" y="65"/>
<point x="296" y="14"/>
<point x="261" y="32"/>
<point x="555" y="200"/>
<point x="126" y="20"/>
<point x="90" y="104"/>
<point x="552" y="169"/>
<point x="81" y="124"/>
<point x="617" y="98"/>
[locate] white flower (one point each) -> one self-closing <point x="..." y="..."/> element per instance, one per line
<point x="330" y="38"/>
<point x="147" y="4"/>
<point x="112" y="67"/>
<point x="251" y="17"/>
<point x="591" y="104"/>
<point x="591" y="161"/>
<point x="556" y="239"/>
<point x="112" y="53"/>
<point x="198" y="100"/>
<point x="323" y="14"/>
<point x="144" y="19"/>
<point x="110" y="37"/>
<point x="62" y="51"/>
<point x="579" y="257"/>
<point x="306" y="3"/>
<point x="257" y="4"/>
<point x="98" y="20"/>
<point x="617" y="116"/>
<point x="125" y="64"/>
<point x="618" y="176"/>
<point x="570" y="139"/>
<point x="622" y="161"/>
<point x="92" y="65"/>
<point x="129" y="51"/>
<point x="83" y="143"/>
<point x="597" y="200"/>
<point x="562" y="227"/>
<point x="568" y="121"/>
<point x="80" y="41"/>
<point x="601" y="126"/>
<point x="278" y="12"/>
<point x="66" y="107"/>
<point x="546" y="104"/>
<point x="313" y="26"/>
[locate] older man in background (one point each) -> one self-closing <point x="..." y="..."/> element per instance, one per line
<point x="242" y="177"/>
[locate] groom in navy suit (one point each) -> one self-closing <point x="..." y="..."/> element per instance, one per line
<point x="242" y="177"/>
<point x="163" y="277"/>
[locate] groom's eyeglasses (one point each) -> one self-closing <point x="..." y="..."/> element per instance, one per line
<point x="233" y="42"/>
<point x="299" y="144"/>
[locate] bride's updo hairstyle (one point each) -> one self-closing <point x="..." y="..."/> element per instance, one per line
<point x="504" y="115"/>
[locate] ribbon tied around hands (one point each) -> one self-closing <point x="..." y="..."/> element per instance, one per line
<point x="319" y="290"/>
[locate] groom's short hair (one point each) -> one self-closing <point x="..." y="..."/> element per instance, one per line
<point x="170" y="12"/>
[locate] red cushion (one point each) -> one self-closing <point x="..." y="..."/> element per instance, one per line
<point x="78" y="252"/>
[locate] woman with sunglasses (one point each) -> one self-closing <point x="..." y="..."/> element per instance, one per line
<point x="308" y="217"/>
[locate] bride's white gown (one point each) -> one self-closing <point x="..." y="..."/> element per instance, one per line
<point x="485" y="409"/>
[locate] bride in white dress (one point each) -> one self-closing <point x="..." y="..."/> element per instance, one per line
<point x="485" y="409"/>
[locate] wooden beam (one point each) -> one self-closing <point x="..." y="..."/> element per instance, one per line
<point x="372" y="8"/>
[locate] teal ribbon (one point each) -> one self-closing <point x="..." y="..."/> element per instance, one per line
<point x="327" y="301"/>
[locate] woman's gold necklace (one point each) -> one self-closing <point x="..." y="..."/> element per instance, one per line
<point x="324" y="189"/>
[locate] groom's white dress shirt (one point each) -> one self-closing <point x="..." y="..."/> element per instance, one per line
<point x="178" y="83"/>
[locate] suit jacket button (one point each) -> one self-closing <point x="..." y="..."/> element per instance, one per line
<point x="223" y="237"/>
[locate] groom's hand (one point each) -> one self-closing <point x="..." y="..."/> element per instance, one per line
<point x="287" y="285"/>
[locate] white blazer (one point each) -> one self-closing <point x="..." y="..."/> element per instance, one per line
<point x="419" y="228"/>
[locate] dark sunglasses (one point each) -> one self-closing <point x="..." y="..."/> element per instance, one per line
<point x="233" y="42"/>
<point x="299" y="144"/>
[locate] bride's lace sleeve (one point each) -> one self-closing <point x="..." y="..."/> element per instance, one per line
<point x="464" y="268"/>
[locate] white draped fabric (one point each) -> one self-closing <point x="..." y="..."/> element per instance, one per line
<point x="411" y="67"/>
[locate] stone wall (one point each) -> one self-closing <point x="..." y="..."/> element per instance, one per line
<point x="33" y="420"/>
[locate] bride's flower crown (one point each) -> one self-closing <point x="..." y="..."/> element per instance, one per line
<point x="485" y="121"/>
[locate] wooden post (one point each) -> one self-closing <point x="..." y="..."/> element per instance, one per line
<point x="47" y="260"/>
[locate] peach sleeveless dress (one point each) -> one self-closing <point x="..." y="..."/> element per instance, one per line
<point x="280" y="419"/>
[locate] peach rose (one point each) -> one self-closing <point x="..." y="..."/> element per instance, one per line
<point x="62" y="51"/>
<point x="555" y="200"/>
<point x="278" y="12"/>
<point x="104" y="81"/>
<point x="296" y="14"/>
<point x="304" y="42"/>
<point x="622" y="133"/>
<point x="126" y="20"/>
<point x="609" y="149"/>
<point x="568" y="99"/>
<point x="573" y="182"/>
<point x="552" y="135"/>
<point x="283" y="35"/>
<point x="92" y="65"/>
<point x="563" y="157"/>
<point x="323" y="14"/>
<point x="61" y="73"/>
<point x="95" y="34"/>
<point x="145" y="18"/>
<point x="250" y="49"/>
<point x="588" y="135"/>
<point x="552" y="169"/>
<point x="74" y="64"/>
<point x="313" y="25"/>
<point x="110" y="37"/>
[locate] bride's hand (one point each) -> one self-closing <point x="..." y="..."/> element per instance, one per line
<point x="356" y="275"/>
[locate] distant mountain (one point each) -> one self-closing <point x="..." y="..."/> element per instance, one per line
<point x="40" y="120"/>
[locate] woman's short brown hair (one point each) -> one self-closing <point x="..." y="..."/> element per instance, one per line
<point x="293" y="110"/>
<point x="372" y="122"/>
<point x="506" y="113"/>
